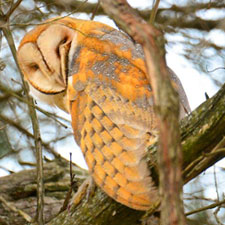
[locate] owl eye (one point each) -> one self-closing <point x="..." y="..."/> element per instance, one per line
<point x="34" y="67"/>
<point x="63" y="41"/>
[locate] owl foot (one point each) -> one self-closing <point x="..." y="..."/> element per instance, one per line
<point x="90" y="188"/>
<point x="86" y="189"/>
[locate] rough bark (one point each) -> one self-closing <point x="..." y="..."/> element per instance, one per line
<point x="202" y="135"/>
<point x="18" y="191"/>
<point x="201" y="132"/>
<point x="166" y="105"/>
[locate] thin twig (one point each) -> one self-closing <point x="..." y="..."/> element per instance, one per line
<point x="216" y="215"/>
<point x="205" y="208"/>
<point x="218" y="196"/>
<point x="218" y="68"/>
<point x="199" y="198"/>
<point x="216" y="184"/>
<point x="154" y="12"/>
<point x="71" y="171"/>
<point x="69" y="193"/>
<point x="58" y="18"/>
<point x="36" y="131"/>
<point x="23" y="163"/>
<point x="13" y="8"/>
<point x="51" y="115"/>
<point x="218" y="151"/>
<point x="7" y="170"/>
<point x="95" y="10"/>
<point x="27" y="133"/>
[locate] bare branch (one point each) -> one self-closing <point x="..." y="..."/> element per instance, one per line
<point x="206" y="207"/>
<point x="13" y="8"/>
<point x="166" y="105"/>
<point x="154" y="11"/>
<point x="33" y="116"/>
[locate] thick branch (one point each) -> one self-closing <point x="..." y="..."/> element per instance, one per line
<point x="19" y="192"/>
<point x="201" y="132"/>
<point x="166" y="107"/>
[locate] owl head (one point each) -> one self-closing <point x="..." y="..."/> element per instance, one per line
<point x="46" y="55"/>
<point x="43" y="56"/>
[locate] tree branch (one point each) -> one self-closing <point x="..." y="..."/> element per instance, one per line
<point x="201" y="132"/>
<point x="19" y="190"/>
<point x="206" y="207"/>
<point x="166" y="105"/>
<point x="13" y="8"/>
<point x="33" y="116"/>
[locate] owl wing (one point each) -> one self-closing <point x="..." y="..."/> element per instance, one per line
<point x="113" y="134"/>
<point x="112" y="114"/>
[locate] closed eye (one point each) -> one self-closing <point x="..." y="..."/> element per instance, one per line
<point x="34" y="67"/>
<point x="61" y="42"/>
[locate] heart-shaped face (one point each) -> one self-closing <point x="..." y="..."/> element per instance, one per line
<point x="43" y="57"/>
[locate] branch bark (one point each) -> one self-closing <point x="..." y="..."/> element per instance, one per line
<point x="166" y="105"/>
<point x="201" y="132"/>
<point x="19" y="191"/>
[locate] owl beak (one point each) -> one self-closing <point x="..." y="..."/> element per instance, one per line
<point x="64" y="50"/>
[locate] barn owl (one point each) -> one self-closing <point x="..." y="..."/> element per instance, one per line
<point x="98" y="75"/>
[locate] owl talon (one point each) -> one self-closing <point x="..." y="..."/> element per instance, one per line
<point x="86" y="190"/>
<point x="90" y="188"/>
